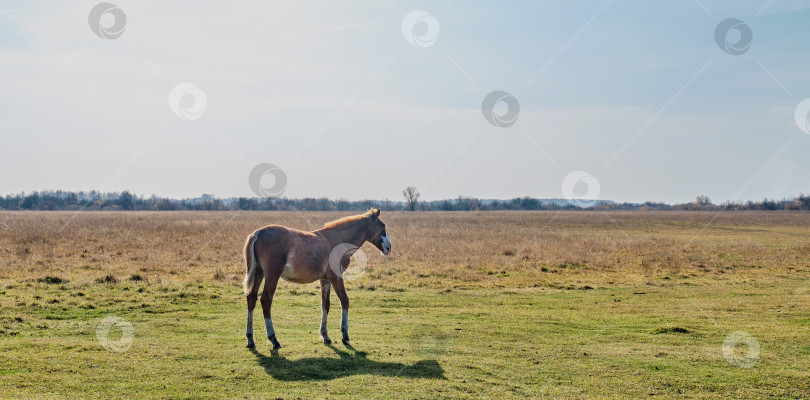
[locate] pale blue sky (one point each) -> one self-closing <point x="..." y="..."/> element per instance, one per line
<point x="335" y="96"/>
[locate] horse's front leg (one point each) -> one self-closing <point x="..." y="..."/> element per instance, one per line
<point x="340" y="290"/>
<point x="325" y="286"/>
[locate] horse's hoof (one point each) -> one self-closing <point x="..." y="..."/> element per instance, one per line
<point x="346" y="342"/>
<point x="326" y="340"/>
<point x="276" y="344"/>
<point x="251" y="345"/>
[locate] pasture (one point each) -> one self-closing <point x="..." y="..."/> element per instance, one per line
<point x="470" y="304"/>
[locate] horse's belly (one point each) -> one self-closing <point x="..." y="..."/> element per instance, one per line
<point x="296" y="274"/>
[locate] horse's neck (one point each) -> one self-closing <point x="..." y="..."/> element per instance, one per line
<point x="353" y="234"/>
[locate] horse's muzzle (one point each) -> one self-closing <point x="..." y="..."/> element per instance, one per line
<point x="385" y="243"/>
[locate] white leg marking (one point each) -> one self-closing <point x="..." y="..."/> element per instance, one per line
<point x="268" y="324"/>
<point x="323" y="321"/>
<point x="344" y="322"/>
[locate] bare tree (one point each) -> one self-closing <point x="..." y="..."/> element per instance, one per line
<point x="703" y="200"/>
<point x="411" y="197"/>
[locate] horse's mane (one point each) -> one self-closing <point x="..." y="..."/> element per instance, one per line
<point x="345" y="221"/>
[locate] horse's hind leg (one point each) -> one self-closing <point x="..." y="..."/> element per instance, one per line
<point x="251" y="305"/>
<point x="325" y="286"/>
<point x="267" y="302"/>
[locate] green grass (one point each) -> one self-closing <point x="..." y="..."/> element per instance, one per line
<point x="614" y="342"/>
<point x="469" y="305"/>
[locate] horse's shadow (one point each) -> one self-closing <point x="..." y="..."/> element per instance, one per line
<point x="323" y="368"/>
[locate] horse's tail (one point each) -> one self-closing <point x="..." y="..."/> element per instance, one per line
<point x="253" y="267"/>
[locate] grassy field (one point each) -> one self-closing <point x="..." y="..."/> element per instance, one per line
<point x="492" y="305"/>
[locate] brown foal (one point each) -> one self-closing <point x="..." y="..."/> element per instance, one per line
<point x="276" y="251"/>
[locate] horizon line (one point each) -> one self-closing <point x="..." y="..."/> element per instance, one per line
<point x="573" y="200"/>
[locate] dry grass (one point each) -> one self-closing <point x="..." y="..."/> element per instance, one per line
<point x="467" y="305"/>
<point x="435" y="250"/>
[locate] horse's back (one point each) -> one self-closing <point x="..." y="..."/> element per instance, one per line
<point x="297" y="255"/>
<point x="280" y="235"/>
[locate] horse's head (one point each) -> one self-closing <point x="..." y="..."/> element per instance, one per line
<point x="376" y="233"/>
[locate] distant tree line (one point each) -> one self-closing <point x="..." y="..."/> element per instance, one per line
<point x="94" y="200"/>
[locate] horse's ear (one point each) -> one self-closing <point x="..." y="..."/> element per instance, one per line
<point x="375" y="213"/>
